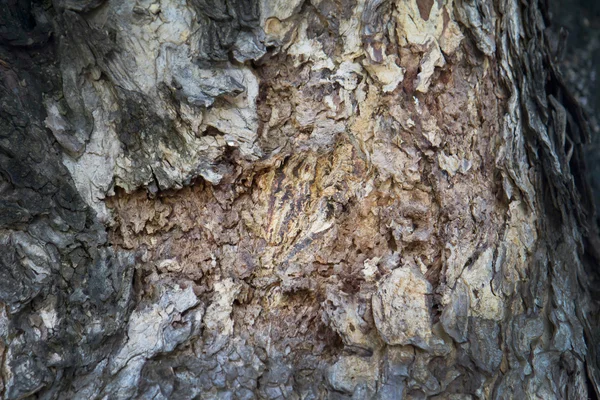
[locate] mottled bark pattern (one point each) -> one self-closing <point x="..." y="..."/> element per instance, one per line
<point x="291" y="199"/>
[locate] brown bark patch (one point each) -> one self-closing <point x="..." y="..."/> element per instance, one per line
<point x="425" y="8"/>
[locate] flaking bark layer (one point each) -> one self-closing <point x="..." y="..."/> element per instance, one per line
<point x="298" y="199"/>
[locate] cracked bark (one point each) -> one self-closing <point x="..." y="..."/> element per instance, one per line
<point x="299" y="199"/>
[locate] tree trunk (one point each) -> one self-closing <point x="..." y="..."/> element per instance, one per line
<point x="300" y="199"/>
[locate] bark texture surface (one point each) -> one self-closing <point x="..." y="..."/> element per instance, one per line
<point x="292" y="199"/>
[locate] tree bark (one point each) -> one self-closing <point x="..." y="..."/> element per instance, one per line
<point x="292" y="199"/>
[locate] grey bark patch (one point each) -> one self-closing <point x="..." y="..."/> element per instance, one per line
<point x="80" y="5"/>
<point x="485" y="349"/>
<point x="222" y="23"/>
<point x="401" y="308"/>
<point x="478" y="17"/>
<point x="455" y="317"/>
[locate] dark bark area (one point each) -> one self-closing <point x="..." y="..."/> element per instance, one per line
<point x="298" y="199"/>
